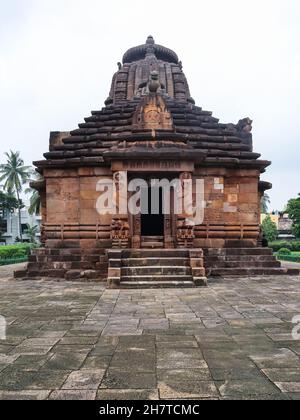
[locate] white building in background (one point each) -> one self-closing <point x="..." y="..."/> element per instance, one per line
<point x="9" y="226"/>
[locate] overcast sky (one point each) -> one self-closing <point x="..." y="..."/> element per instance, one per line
<point x="241" y="58"/>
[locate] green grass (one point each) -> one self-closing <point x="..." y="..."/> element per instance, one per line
<point x="15" y="252"/>
<point x="294" y="257"/>
<point x="12" y="261"/>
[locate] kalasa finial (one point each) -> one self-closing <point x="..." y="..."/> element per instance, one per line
<point x="150" y="40"/>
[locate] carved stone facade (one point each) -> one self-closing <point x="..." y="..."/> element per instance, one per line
<point x="149" y="128"/>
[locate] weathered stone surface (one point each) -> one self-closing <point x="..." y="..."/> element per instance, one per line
<point x="86" y="379"/>
<point x="73" y="395"/>
<point x="232" y="340"/>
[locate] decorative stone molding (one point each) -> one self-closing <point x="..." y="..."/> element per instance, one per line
<point x="120" y="233"/>
<point x="185" y="234"/>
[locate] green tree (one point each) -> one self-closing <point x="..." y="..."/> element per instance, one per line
<point x="15" y="175"/>
<point x="265" y="202"/>
<point x="293" y="209"/>
<point x="35" y="198"/>
<point x="32" y="231"/>
<point x="269" y="229"/>
<point x="35" y="201"/>
<point x="8" y="203"/>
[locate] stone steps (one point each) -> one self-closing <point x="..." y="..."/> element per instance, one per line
<point x="219" y="252"/>
<point x="152" y="238"/>
<point x="152" y="242"/>
<point x="161" y="253"/>
<point x="156" y="270"/>
<point x="157" y="278"/>
<point x="144" y="262"/>
<point x="157" y="284"/>
<point x="243" y="262"/>
<point x="242" y="258"/>
<point x="153" y="268"/>
<point x="229" y="272"/>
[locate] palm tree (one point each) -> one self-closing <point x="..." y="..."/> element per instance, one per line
<point x="35" y="201"/>
<point x="35" y="198"/>
<point x="31" y="231"/>
<point x="15" y="175"/>
<point x="265" y="201"/>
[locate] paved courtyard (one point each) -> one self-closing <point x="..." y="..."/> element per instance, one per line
<point x="232" y="340"/>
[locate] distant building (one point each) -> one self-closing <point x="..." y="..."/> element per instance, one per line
<point x="283" y="223"/>
<point x="9" y="226"/>
<point x="285" y="227"/>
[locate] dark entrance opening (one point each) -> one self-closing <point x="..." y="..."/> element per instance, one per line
<point x="153" y="223"/>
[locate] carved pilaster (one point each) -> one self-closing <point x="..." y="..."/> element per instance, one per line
<point x="120" y="233"/>
<point x="185" y="234"/>
<point x="169" y="241"/>
<point x="137" y="231"/>
<point x="185" y="228"/>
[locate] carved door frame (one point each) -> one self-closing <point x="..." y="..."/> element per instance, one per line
<point x="170" y="226"/>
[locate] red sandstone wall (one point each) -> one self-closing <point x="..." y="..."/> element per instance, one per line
<point x="231" y="214"/>
<point x="232" y="208"/>
<point x="71" y="214"/>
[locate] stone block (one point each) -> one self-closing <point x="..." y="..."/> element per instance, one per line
<point x="91" y="274"/>
<point x="200" y="281"/>
<point x="197" y="262"/>
<point x="20" y="274"/>
<point x="198" y="272"/>
<point x="73" y="275"/>
<point x="113" y="283"/>
<point x="114" y="272"/>
<point x="196" y="253"/>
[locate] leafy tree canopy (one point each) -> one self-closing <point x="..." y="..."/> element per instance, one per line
<point x="293" y="209"/>
<point x="269" y="229"/>
<point x="9" y="203"/>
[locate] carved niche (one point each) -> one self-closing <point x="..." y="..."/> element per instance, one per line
<point x="152" y="113"/>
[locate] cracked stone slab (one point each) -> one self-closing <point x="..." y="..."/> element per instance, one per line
<point x="75" y="395"/>
<point x="115" y="379"/>
<point x="187" y="390"/>
<point x="246" y="387"/>
<point x="127" y="394"/>
<point x="24" y="395"/>
<point x="85" y="379"/>
<point x="290" y="387"/>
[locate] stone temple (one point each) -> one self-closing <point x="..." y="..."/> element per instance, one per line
<point x="151" y="129"/>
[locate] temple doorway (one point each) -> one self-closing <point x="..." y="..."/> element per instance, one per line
<point x="152" y="217"/>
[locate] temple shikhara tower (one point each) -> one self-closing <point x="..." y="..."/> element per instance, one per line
<point x="150" y="128"/>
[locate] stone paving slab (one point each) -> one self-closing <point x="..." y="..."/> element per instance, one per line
<point x="73" y="341"/>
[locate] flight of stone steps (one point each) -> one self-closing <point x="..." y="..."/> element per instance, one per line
<point x="244" y="262"/>
<point x="157" y="268"/>
<point x="152" y="242"/>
